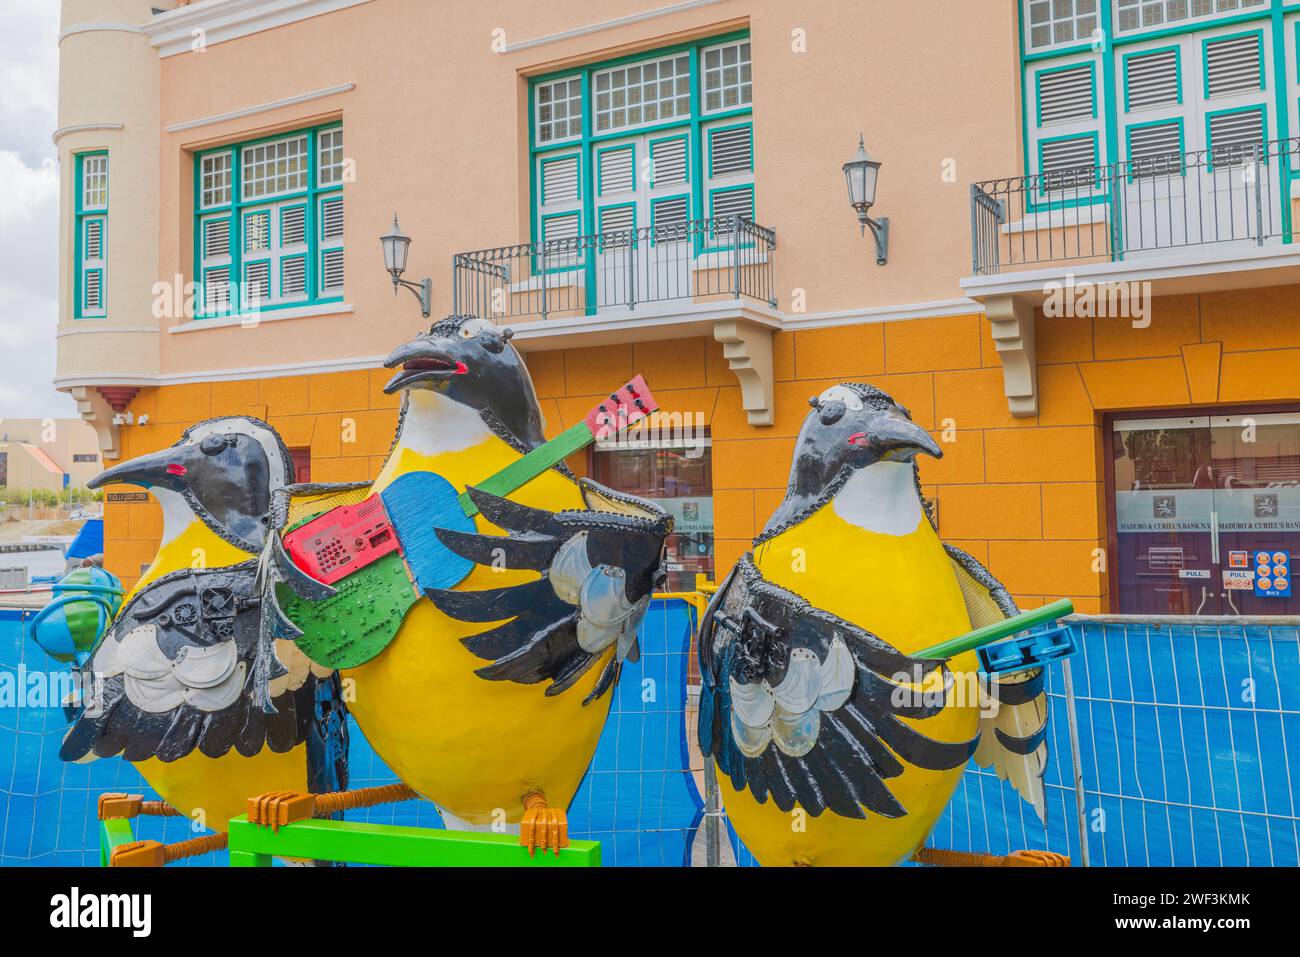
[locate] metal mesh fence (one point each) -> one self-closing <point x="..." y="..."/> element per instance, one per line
<point x="1188" y="731"/>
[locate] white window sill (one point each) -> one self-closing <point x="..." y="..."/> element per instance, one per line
<point x="254" y="319"/>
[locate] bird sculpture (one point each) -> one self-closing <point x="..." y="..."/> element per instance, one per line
<point x="479" y="633"/>
<point x="188" y="682"/>
<point x="836" y="743"/>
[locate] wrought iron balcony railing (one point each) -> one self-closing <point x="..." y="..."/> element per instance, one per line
<point x="1176" y="201"/>
<point x="698" y="259"/>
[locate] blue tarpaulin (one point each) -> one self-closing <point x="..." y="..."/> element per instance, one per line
<point x="89" y="541"/>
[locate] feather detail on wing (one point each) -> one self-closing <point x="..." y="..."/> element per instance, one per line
<point x="177" y="672"/>
<point x="1013" y="732"/>
<point x="598" y="568"/>
<point x="805" y="707"/>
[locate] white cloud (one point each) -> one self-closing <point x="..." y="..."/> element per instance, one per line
<point x="29" y="210"/>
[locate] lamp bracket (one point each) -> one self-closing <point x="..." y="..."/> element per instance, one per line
<point x="880" y="231"/>
<point x="422" y="290"/>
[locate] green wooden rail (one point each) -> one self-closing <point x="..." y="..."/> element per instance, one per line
<point x="252" y="845"/>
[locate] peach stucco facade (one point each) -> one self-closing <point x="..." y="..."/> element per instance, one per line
<point x="434" y="105"/>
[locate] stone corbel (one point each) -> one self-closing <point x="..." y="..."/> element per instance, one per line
<point x="95" y="409"/>
<point x="748" y="350"/>
<point x="1013" y="337"/>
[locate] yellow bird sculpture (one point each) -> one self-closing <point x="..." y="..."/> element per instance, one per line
<point x="836" y="746"/>
<point x="185" y="683"/>
<point x="491" y="696"/>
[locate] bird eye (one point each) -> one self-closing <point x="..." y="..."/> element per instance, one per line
<point x="838" y="393"/>
<point x="213" y="444"/>
<point x="474" y="327"/>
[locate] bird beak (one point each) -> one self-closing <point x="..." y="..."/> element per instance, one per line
<point x="167" y="468"/>
<point x="421" y="360"/>
<point x="895" y="438"/>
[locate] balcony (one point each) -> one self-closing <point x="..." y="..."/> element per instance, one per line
<point x="1171" y="204"/>
<point x="1200" y="221"/>
<point x="699" y="277"/>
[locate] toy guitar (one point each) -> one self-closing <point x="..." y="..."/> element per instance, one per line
<point x="382" y="553"/>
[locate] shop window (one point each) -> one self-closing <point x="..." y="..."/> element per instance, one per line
<point x="677" y="474"/>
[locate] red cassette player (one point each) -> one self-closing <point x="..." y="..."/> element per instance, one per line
<point x="343" y="540"/>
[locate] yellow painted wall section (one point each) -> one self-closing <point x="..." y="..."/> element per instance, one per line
<point x="1025" y="496"/>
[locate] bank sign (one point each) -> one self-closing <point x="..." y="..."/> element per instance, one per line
<point x="1271" y="509"/>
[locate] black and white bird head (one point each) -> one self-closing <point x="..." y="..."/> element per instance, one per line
<point x="857" y="425"/>
<point x="222" y="472"/>
<point x="470" y="361"/>
<point x="853" y="429"/>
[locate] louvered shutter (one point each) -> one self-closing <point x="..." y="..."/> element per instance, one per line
<point x="617" y="171"/>
<point x="1069" y="164"/>
<point x="731" y="151"/>
<point x="1233" y="65"/>
<point x="617" y="224"/>
<point x="94" y="239"/>
<point x="257" y="281"/>
<point x="331" y="242"/>
<point x="1066" y="94"/>
<point x="93" y="263"/>
<point x="293" y="226"/>
<point x="332" y="270"/>
<point x="332" y="220"/>
<point x="560" y="182"/>
<point x="293" y="276"/>
<point x="216" y="238"/>
<point x="1151" y="79"/>
<point x="668" y="158"/>
<point x="730" y="203"/>
<point x="1156" y="150"/>
<point x="93" y="293"/>
<point x="670" y="219"/>
<point x="1233" y="136"/>
<point x="617" y="218"/>
<point x="216" y="290"/>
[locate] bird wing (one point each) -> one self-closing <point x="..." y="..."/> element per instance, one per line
<point x="178" y="672"/>
<point x="1013" y="733"/>
<point x="599" y="567"/>
<point x="805" y="707"/>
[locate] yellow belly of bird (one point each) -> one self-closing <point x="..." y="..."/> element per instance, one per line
<point x="903" y="589"/>
<point x="473" y="746"/>
<point x="216" y="788"/>
<point x="219" y="788"/>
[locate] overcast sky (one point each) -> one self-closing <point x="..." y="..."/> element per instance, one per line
<point x="29" y="209"/>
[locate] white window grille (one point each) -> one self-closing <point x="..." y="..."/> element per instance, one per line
<point x="649" y="92"/>
<point x="728" y="81"/>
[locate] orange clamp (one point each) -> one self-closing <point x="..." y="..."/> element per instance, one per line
<point x="114" y="805"/>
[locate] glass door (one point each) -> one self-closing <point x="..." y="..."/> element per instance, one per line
<point x="1207" y="512"/>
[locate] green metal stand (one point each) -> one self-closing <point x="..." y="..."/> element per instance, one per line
<point x="113" y="832"/>
<point x="350" y="842"/>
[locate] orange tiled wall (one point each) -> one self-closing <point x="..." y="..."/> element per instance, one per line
<point x="1025" y="496"/>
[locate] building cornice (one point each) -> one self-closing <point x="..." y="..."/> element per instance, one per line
<point x="260" y="108"/>
<point x="221" y="375"/>
<point x="63" y="131"/>
<point x="96" y="27"/>
<point x="608" y="25"/>
<point x="174" y="32"/>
